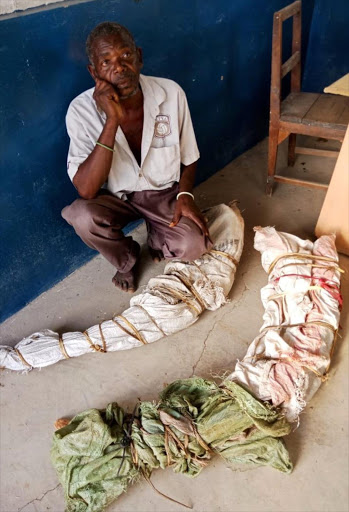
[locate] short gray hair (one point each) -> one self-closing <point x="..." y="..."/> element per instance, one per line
<point x="105" y="29"/>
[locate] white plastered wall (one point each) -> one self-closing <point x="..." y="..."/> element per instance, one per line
<point x="9" y="6"/>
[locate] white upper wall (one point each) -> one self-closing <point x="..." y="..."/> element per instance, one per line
<point x="8" y="6"/>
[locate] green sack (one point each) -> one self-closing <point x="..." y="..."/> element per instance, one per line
<point x="100" y="453"/>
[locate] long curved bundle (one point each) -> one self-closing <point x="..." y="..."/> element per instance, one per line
<point x="286" y="363"/>
<point x="171" y="302"/>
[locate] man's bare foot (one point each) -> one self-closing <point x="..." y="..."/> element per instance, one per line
<point x="126" y="281"/>
<point x="62" y="422"/>
<point x="156" y="255"/>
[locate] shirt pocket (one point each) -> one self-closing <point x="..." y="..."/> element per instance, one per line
<point x="162" y="166"/>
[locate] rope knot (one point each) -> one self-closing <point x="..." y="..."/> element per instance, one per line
<point x="97" y="348"/>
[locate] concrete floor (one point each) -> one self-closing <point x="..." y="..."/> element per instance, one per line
<point x="32" y="402"/>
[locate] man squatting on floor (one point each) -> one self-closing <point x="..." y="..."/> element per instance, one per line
<point x="132" y="155"/>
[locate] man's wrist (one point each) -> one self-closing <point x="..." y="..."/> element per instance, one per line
<point x="185" y="195"/>
<point x="112" y="122"/>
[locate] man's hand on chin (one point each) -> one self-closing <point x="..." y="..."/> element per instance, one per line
<point x="186" y="207"/>
<point x="108" y="100"/>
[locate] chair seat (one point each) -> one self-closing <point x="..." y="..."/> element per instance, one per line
<point x="328" y="111"/>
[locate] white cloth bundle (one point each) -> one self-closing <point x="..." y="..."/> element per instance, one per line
<point x="170" y="302"/>
<point x="288" y="360"/>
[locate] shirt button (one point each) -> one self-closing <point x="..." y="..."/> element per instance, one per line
<point x="140" y="175"/>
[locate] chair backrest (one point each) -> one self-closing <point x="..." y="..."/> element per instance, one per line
<point x="279" y="69"/>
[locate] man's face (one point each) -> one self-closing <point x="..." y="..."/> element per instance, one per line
<point x="118" y="62"/>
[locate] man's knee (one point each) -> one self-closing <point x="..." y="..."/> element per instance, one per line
<point x="65" y="213"/>
<point x="189" y="245"/>
<point x="79" y="214"/>
<point x="192" y="249"/>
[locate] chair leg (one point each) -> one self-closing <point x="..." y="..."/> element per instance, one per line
<point x="272" y="155"/>
<point x="292" y="149"/>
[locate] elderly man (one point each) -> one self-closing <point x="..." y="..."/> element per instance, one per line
<point x="132" y="155"/>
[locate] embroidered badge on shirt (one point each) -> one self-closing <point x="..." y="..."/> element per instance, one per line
<point x="162" y="126"/>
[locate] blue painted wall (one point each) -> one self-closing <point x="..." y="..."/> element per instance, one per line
<point x="328" y="51"/>
<point x="219" y="51"/>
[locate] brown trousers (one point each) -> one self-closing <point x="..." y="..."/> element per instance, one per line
<point x="99" y="223"/>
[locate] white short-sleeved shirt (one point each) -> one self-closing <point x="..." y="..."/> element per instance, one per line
<point x="168" y="138"/>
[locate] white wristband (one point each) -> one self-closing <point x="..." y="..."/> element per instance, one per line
<point x="186" y="193"/>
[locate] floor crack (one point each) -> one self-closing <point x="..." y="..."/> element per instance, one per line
<point x="38" y="499"/>
<point x="238" y="301"/>
<point x="223" y="314"/>
<point x="203" y="349"/>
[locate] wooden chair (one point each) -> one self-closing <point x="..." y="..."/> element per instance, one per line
<point x="318" y="115"/>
